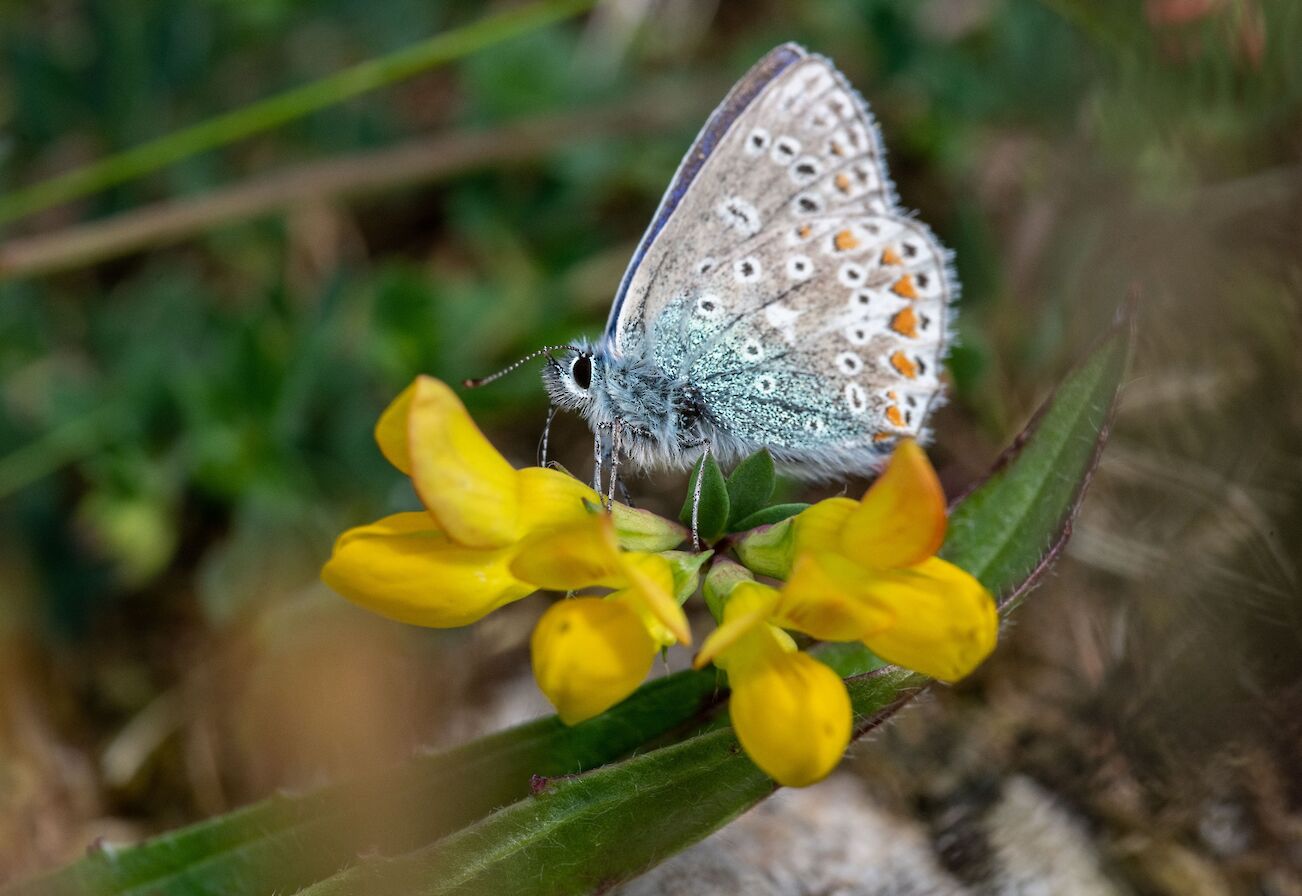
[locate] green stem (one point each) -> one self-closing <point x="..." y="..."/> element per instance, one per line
<point x="295" y="103"/>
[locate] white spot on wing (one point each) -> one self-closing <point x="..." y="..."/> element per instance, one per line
<point x="851" y="274"/>
<point x="758" y="141"/>
<point x="740" y="215"/>
<point x="799" y="267"/>
<point x="805" y="170"/>
<point x="785" y="149"/>
<point x="709" y="306"/>
<point x="849" y="363"/>
<point x="782" y="319"/>
<point x="856" y="399"/>
<point x="747" y="270"/>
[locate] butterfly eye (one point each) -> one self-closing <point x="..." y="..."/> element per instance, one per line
<point x="581" y="370"/>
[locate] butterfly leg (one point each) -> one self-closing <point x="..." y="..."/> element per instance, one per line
<point x="546" y="435"/>
<point x="616" y="439"/>
<point x="597" y="459"/>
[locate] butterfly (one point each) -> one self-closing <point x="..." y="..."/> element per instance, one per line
<point x="780" y="298"/>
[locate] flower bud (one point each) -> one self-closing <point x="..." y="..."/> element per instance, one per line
<point x="589" y="653"/>
<point x="769" y="550"/>
<point x="642" y="530"/>
<point x="723" y="577"/>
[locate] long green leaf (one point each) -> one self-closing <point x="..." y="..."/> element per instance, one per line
<point x="585" y="834"/>
<point x="1007" y="530"/>
<point x="287" y="842"/>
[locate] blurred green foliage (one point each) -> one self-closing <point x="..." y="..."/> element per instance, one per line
<point x="183" y="430"/>
<point x="214" y="400"/>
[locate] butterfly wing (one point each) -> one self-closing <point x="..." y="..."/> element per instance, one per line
<point x="784" y="282"/>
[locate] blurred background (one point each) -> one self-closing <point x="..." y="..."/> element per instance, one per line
<point x="191" y="363"/>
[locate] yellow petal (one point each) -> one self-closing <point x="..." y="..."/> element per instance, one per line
<point x="901" y="519"/>
<point x="550" y="499"/>
<point x="405" y="568"/>
<point x="792" y="715"/>
<point x="650" y="581"/>
<point x="589" y="653"/>
<point x="749" y="605"/>
<point x="818" y="528"/>
<point x="461" y="478"/>
<point x="391" y="429"/>
<point x="577" y="556"/>
<point x="824" y="598"/>
<point x="945" y="621"/>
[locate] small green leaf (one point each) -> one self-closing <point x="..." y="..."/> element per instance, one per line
<point x="750" y="486"/>
<point x="768" y="516"/>
<point x="713" y="513"/>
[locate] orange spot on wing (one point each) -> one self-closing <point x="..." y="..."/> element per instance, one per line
<point x="904" y="287"/>
<point x="892" y="395"/>
<point x="844" y="241"/>
<point x="804" y="231"/>
<point x="905" y="323"/>
<point x="904" y="365"/>
<point x="842" y="183"/>
<point x="890" y="256"/>
<point x="893" y="414"/>
<point x="835" y="148"/>
<point x="883" y="436"/>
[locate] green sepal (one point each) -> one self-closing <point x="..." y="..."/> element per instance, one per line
<point x="769" y="550"/>
<point x="712" y="517"/>
<point x="750" y="487"/>
<point x="642" y="530"/>
<point x="686" y="567"/>
<point x="768" y="516"/>
<point x="724" y="575"/>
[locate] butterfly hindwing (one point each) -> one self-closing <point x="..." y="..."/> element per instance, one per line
<point x="786" y="284"/>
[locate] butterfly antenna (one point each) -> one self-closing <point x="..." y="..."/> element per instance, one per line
<point x="485" y="380"/>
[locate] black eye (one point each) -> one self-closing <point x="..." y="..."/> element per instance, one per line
<point x="582" y="371"/>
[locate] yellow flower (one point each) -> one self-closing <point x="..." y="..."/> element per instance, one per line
<point x="452" y="564"/>
<point x="589" y="653"/>
<point x="790" y="712"/>
<point x="867" y="571"/>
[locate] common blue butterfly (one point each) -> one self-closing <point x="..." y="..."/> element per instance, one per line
<point x="781" y="297"/>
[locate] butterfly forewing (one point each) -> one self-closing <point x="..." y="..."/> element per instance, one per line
<point x="785" y="283"/>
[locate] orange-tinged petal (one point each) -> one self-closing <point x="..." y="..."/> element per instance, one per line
<point x="391" y="429"/>
<point x="650" y="581"/>
<point x="404" y="567"/>
<point x="818" y="528"/>
<point x="551" y="499"/>
<point x="945" y="621"/>
<point x="461" y="478"/>
<point x="750" y="604"/>
<point x="588" y="654"/>
<point x="824" y="598"/>
<point x="792" y="715"/>
<point x="901" y="519"/>
<point x="576" y="556"/>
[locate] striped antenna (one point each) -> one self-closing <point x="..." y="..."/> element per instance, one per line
<point x="545" y="350"/>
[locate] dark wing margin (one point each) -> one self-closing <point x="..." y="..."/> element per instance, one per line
<point x="742" y="94"/>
